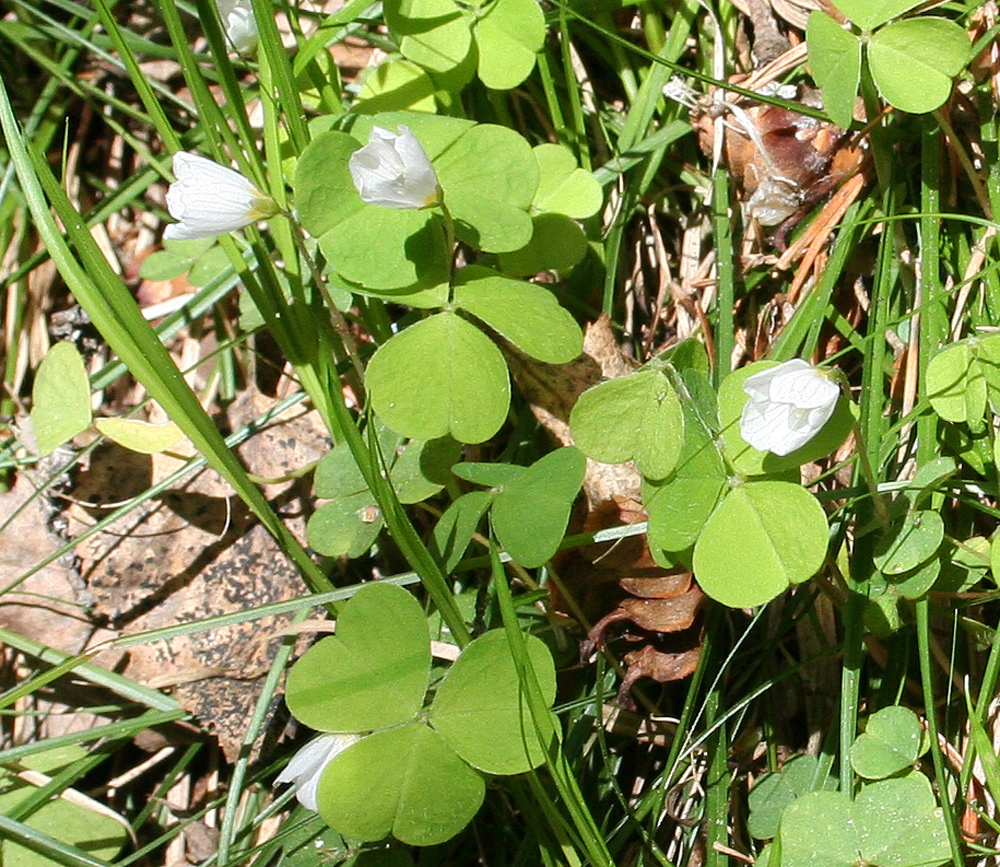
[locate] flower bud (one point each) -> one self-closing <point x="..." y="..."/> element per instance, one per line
<point x="394" y="171"/>
<point x="209" y="199"/>
<point x="239" y="23"/>
<point x="788" y="406"/>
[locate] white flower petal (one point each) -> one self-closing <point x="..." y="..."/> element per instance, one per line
<point x="763" y="424"/>
<point x="241" y="26"/>
<point x="804" y="388"/>
<point x="210" y="199"/>
<point x="306" y="767"/>
<point x="787" y="406"/>
<point x="394" y="171"/>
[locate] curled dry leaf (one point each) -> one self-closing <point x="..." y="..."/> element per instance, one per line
<point x="659" y="609"/>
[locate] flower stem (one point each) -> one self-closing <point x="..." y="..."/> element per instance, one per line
<point x="449" y="242"/>
<point x="336" y="317"/>
<point x="878" y="500"/>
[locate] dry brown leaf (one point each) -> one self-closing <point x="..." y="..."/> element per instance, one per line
<point x="50" y="606"/>
<point x="196" y="553"/>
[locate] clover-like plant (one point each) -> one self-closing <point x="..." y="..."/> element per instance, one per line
<point x="496" y="39"/>
<point x="912" y="60"/>
<point x="963" y="378"/>
<point x="704" y="484"/>
<point x="444" y="374"/>
<point x="61" y="409"/>
<point x="418" y="770"/>
<point x="893" y="821"/>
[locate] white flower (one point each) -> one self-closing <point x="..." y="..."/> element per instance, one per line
<point x="787" y="407"/>
<point x="210" y="199"/>
<point x="308" y="764"/>
<point x="241" y="26"/>
<point x="394" y="171"/>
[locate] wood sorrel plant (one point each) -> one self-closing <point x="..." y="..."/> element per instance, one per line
<point x="423" y="249"/>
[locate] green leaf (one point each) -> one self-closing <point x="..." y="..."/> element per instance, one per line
<point x="995" y="559"/>
<point x="869" y="14"/>
<point x="394" y="85"/>
<point x="337" y="474"/>
<point x="440" y="376"/>
<point x="209" y="266"/>
<point x="835" y="60"/>
<point x="679" y="509"/>
<point x="895" y="823"/>
<point x="747" y="460"/>
<point x="889" y="744"/>
<point x="931" y="475"/>
<point x="346" y="526"/>
<point x="489" y="178"/>
<point x="782" y="532"/>
<point x="881" y="615"/>
<point x="817" y="830"/>
<point x="72" y="824"/>
<point x="773" y="792"/>
<point x="382" y="250"/>
<point x="955" y="385"/>
<point x="423" y="468"/>
<point x="914" y="61"/>
<point x="406" y="782"/>
<point x="899" y="822"/>
<point x="526" y="314"/>
<point x="563" y="187"/>
<point x="508" y="37"/>
<point x="557" y="244"/>
<point x="531" y="513"/>
<point x="60" y="398"/>
<point x="915" y="539"/>
<point x="480" y="708"/>
<point x="373" y="673"/>
<point x="453" y="532"/>
<point x="967" y="566"/>
<point x="987" y="350"/>
<point x="636" y="417"/>
<point x="680" y="505"/>
<point x="174" y="259"/>
<point x="143" y="437"/>
<point x="492" y="475"/>
<point x="324" y="192"/>
<point x="435" y="33"/>
<point x="916" y="582"/>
